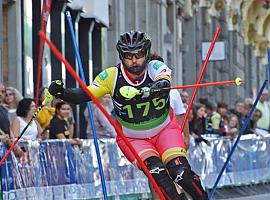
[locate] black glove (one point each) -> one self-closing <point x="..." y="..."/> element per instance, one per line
<point x="160" y="88"/>
<point x="160" y="85"/>
<point x="56" y="88"/>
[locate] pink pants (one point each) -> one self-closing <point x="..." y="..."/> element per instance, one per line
<point x="166" y="143"/>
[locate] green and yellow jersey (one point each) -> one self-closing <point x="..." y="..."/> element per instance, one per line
<point x="139" y="117"/>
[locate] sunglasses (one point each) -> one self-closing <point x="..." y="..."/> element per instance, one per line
<point x="129" y="55"/>
<point x="9" y="94"/>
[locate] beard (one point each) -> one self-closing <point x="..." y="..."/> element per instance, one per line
<point x="136" y="69"/>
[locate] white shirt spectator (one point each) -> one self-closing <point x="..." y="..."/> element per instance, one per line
<point x="31" y="132"/>
<point x="264" y="122"/>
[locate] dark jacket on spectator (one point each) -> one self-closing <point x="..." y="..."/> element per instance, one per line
<point x="250" y="127"/>
<point x="4" y="122"/>
<point x="199" y="126"/>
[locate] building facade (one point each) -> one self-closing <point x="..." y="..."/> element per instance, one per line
<point x="179" y="29"/>
<point x="244" y="31"/>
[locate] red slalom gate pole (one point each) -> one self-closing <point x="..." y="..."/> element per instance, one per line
<point x="200" y="78"/>
<point x="95" y="100"/>
<point x="205" y="84"/>
<point x="46" y="10"/>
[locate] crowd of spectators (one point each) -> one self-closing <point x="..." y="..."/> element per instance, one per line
<point x="56" y="121"/>
<point x="6" y="135"/>
<point x="216" y="119"/>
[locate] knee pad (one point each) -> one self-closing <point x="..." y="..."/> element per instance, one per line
<point x="162" y="178"/>
<point x="180" y="171"/>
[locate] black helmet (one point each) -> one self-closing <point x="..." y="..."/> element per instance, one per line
<point x="134" y="42"/>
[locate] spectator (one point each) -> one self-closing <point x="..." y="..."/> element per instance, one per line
<point x="11" y="100"/>
<point x="70" y="118"/>
<point x="233" y="126"/>
<point x="238" y="110"/>
<point x="4" y="125"/>
<point x="25" y="111"/>
<point x="71" y="122"/>
<point x="199" y="125"/>
<point x="264" y="121"/>
<point x="203" y="101"/>
<point x="247" y="107"/>
<point x="191" y="119"/>
<point x="46" y="114"/>
<point x="103" y="127"/>
<point x="251" y="128"/>
<point x="248" y="102"/>
<point x="191" y="116"/>
<point x="213" y="119"/>
<point x="5" y="134"/>
<point x="185" y="98"/>
<point x="222" y="109"/>
<point x="2" y="92"/>
<point x="58" y="127"/>
<point x="226" y="122"/>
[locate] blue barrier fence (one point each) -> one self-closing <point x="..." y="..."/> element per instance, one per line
<point x="57" y="170"/>
<point x="250" y="163"/>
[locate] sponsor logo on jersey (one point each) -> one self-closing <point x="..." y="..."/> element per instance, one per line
<point x="103" y="75"/>
<point x="157" y="65"/>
